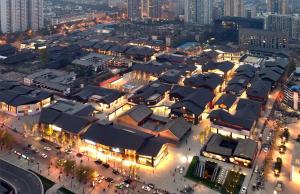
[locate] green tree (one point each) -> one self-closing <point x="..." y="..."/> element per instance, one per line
<point x="69" y="166"/>
<point x="7" y="139"/>
<point x="84" y="173"/>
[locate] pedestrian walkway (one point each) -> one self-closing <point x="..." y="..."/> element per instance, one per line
<point x="54" y="188"/>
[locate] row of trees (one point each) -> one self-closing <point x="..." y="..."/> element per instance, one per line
<point x="83" y="173"/>
<point x="6" y="139"/>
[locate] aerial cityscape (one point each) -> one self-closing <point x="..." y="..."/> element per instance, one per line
<point x="149" y="96"/>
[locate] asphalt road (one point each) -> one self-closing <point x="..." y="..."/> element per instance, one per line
<point x="23" y="181"/>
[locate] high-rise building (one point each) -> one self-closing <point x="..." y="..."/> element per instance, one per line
<point x="277" y="6"/>
<point x="21" y="15"/>
<point x="262" y="41"/>
<point x="287" y="24"/>
<point x="296" y="27"/>
<point x="154" y="8"/>
<point x="134" y="9"/>
<point x="294" y="6"/>
<point x="13" y="16"/>
<point x="218" y="9"/>
<point x="234" y="8"/>
<point x="151" y="8"/>
<point x="35" y="14"/>
<point x="198" y="12"/>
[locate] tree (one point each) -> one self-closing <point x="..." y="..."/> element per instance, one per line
<point x="69" y="166"/>
<point x="7" y="139"/>
<point x="84" y="173"/>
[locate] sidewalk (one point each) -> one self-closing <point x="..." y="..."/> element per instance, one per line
<point x="54" y="188"/>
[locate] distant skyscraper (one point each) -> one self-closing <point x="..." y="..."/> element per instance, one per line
<point x="234" y="8"/>
<point x="277" y="6"/>
<point x="13" y="15"/>
<point x="287" y="24"/>
<point x="154" y="8"/>
<point x="21" y="15"/>
<point x="134" y="11"/>
<point x="198" y="11"/>
<point x="35" y="14"/>
<point x="218" y="9"/>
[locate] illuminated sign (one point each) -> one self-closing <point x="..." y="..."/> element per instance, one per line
<point x="116" y="150"/>
<point x="90" y="142"/>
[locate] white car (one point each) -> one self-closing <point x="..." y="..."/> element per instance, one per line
<point x="44" y="155"/>
<point x="181" y="169"/>
<point x="68" y="151"/>
<point x="243" y="190"/>
<point x="146" y="188"/>
<point x="47" y="148"/>
<point x="125" y="184"/>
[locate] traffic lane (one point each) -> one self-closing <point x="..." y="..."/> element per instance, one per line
<point x="24" y="181"/>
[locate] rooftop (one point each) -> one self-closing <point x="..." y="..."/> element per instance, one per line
<point x="224" y="146"/>
<point x="124" y="138"/>
<point x="15" y="94"/>
<point x="100" y="94"/>
<point x="246" y="115"/>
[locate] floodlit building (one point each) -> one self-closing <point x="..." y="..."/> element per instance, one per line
<point x="65" y="118"/>
<point x="143" y="119"/>
<point x="237" y="125"/>
<point x="101" y="98"/>
<point x="191" y="106"/>
<point x="238" y="151"/>
<point x="20" y="100"/>
<point x="295" y="167"/>
<point x="292" y="90"/>
<point x="150" y="94"/>
<point x="124" y="144"/>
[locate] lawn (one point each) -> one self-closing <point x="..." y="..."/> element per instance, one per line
<point x="190" y="175"/>
<point x="233" y="183"/>
<point x="47" y="184"/>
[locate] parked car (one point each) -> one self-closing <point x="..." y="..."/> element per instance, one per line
<point x="61" y="162"/>
<point x="47" y="148"/>
<point x="105" y="165"/>
<point x="146" y="188"/>
<point x="98" y="162"/>
<point x="116" y="172"/>
<point x="282" y="149"/>
<point x="243" y="190"/>
<point x="44" y="155"/>
<point x="128" y="181"/>
<point x="109" y="179"/>
<point x="152" y="186"/>
<point x="277" y="166"/>
<point x="79" y="155"/>
<point x="181" y="170"/>
<point x="68" y="151"/>
<point x="279" y="186"/>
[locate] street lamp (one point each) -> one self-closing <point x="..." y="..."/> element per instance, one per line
<point x="38" y="166"/>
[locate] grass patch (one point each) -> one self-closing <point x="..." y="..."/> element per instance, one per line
<point x="65" y="191"/>
<point x="233" y="183"/>
<point x="47" y="184"/>
<point x="190" y="175"/>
